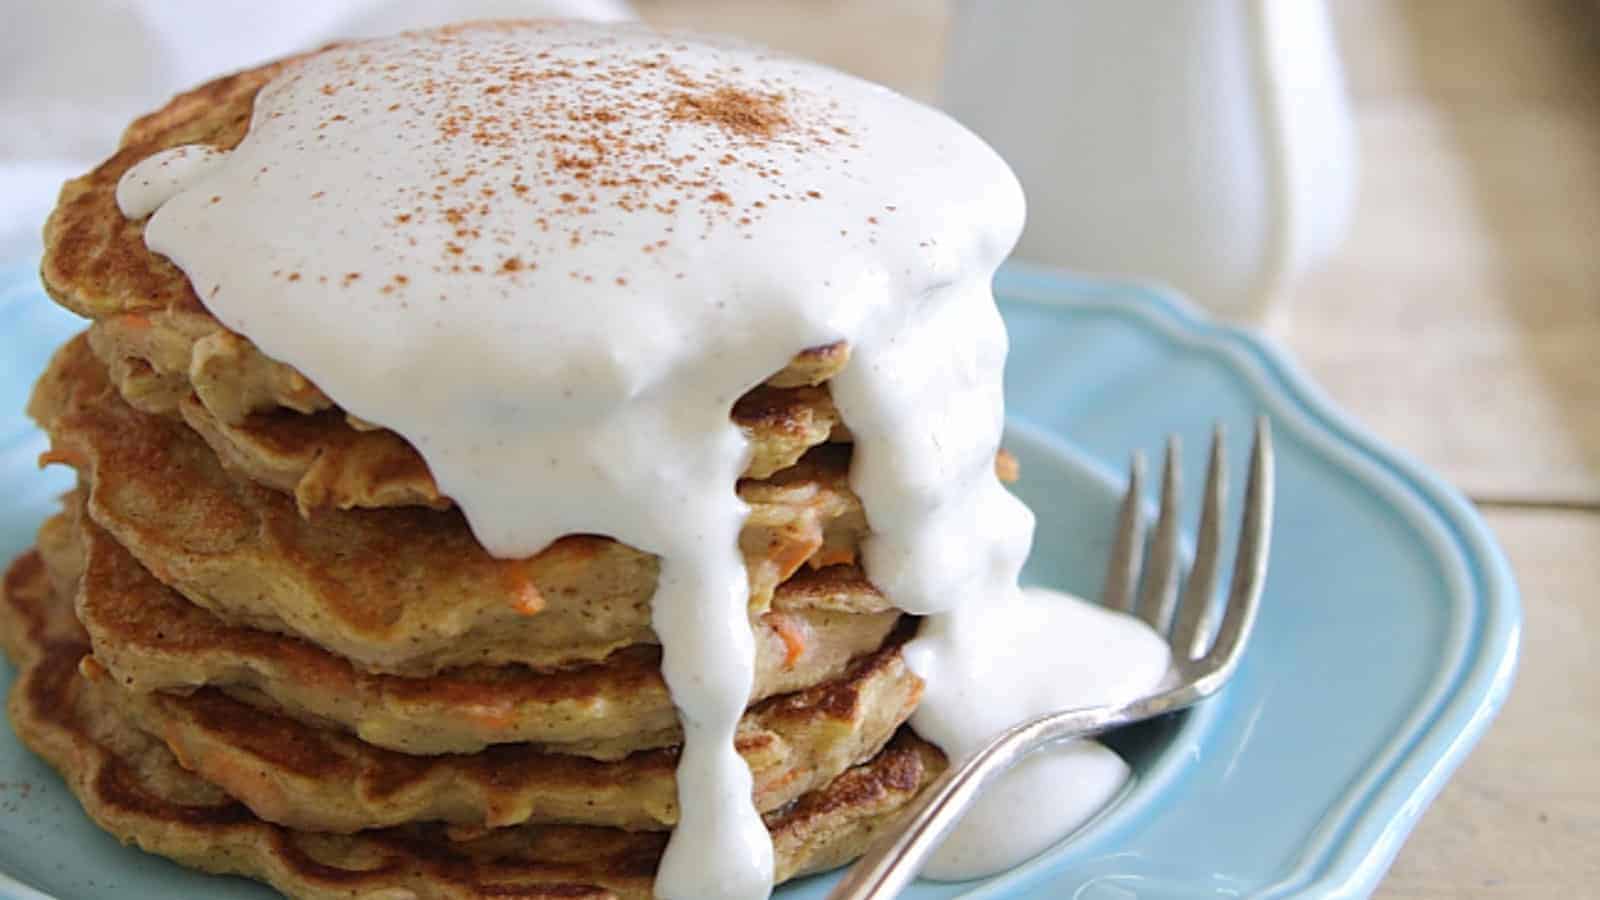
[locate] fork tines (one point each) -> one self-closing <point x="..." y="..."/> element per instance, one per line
<point x="1189" y="623"/>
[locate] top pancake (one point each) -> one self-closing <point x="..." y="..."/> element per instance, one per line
<point x="162" y="344"/>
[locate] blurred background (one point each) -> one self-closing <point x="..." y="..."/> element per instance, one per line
<point x="1431" y="254"/>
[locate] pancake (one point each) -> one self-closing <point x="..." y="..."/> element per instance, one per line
<point x="326" y="459"/>
<point x="162" y="345"/>
<point x="317" y="779"/>
<point x="133" y="787"/>
<point x="323" y="462"/>
<point x="406" y="590"/>
<point x="158" y="357"/>
<point x="150" y="638"/>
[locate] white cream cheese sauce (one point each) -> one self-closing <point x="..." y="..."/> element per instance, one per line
<point x="551" y="256"/>
<point x="1024" y="653"/>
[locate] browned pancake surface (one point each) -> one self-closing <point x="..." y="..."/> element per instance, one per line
<point x="318" y="779"/>
<point x="405" y="591"/>
<point x="133" y="787"/>
<point x="325" y="459"/>
<point x="150" y="638"/>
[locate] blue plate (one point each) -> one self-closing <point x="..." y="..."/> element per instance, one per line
<point x="1386" y="643"/>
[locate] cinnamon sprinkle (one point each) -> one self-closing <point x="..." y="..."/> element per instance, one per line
<point x="569" y="138"/>
<point x="739" y="112"/>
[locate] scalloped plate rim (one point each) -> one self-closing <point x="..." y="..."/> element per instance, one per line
<point x="1346" y="857"/>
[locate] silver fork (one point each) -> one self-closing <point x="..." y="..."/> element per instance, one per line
<point x="1200" y="664"/>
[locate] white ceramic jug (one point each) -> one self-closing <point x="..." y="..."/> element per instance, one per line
<point x="1203" y="143"/>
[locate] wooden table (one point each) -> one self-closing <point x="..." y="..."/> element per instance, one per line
<point x="1461" y="321"/>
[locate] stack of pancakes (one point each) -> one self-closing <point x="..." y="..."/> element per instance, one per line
<point x="259" y="640"/>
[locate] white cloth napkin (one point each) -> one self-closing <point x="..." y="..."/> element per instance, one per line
<point x="73" y="73"/>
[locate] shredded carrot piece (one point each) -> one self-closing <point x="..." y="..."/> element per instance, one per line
<point x="779" y="783"/>
<point x="528" y="601"/>
<point x="136" y="320"/>
<point x="496" y="718"/>
<point x="91" y="669"/>
<point x="788" y="555"/>
<point x="525" y="597"/>
<point x="1006" y="466"/>
<point x="833" y="556"/>
<point x="793" y="636"/>
<point x="63" y="457"/>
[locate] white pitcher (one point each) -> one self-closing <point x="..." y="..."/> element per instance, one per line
<point x="1203" y="143"/>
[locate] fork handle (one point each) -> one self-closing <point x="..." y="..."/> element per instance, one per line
<point x="894" y="861"/>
